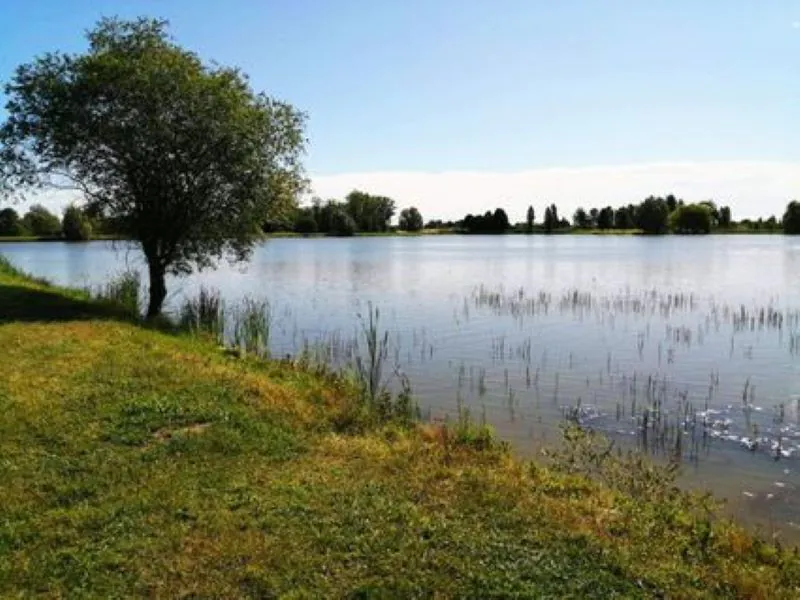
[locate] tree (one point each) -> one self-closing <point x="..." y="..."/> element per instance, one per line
<point x="554" y="215"/>
<point x="40" y="221"/>
<point x="791" y="218"/>
<point x="551" y="221"/>
<point x="184" y="155"/>
<point x="410" y="219"/>
<point x="75" y="225"/>
<point x="306" y="224"/>
<point x="651" y="216"/>
<point x="724" y="220"/>
<point x="500" y="222"/>
<point x="489" y="222"/>
<point x="772" y="223"/>
<point x="10" y="223"/>
<point x="342" y="224"/>
<point x="593" y="214"/>
<point x="623" y="219"/>
<point x="605" y="218"/>
<point x="370" y="213"/>
<point x="713" y="211"/>
<point x="692" y="218"/>
<point x="530" y="219"/>
<point x="580" y="219"/>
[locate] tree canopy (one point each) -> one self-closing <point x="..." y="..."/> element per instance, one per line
<point x="692" y="218"/>
<point x="581" y="218"/>
<point x="551" y="220"/>
<point x="411" y="219"/>
<point x="10" y="223"/>
<point x="370" y="213"/>
<point x="41" y="222"/>
<point x="489" y="222"/>
<point x="75" y="225"/>
<point x="184" y="155"/>
<point x="652" y="215"/>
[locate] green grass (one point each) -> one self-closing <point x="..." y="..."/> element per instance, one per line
<point x="135" y="462"/>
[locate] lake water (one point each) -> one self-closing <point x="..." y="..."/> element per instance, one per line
<point x="677" y="344"/>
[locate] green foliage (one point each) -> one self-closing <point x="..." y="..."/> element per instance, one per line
<point x="370" y="213"/>
<point x="204" y="314"/>
<point x="10" y="223"/>
<point x="410" y="219"/>
<point x="185" y="155"/>
<point x="306" y="224"/>
<point x="342" y="224"/>
<point x="724" y="220"/>
<point x="791" y="218"/>
<point x="551" y="220"/>
<point x="652" y="216"/>
<point x="75" y="225"/>
<point x="623" y="218"/>
<point x="359" y="212"/>
<point x="41" y="222"/>
<point x="691" y="218"/>
<point x="490" y="222"/>
<point x="530" y="219"/>
<point x="124" y="290"/>
<point x="581" y="219"/>
<point x="605" y="218"/>
<point x="252" y="326"/>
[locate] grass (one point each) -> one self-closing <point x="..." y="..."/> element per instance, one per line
<point x="136" y="462"/>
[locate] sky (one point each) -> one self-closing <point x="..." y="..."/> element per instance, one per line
<point x="463" y="106"/>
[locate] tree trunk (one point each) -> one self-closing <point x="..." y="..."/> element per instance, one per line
<point x="158" y="289"/>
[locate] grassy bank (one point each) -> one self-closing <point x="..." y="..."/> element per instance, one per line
<point x="137" y="462"/>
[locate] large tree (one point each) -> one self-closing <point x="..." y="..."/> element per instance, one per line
<point x="184" y="155"/>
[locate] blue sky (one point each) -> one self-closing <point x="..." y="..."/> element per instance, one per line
<point x="522" y="95"/>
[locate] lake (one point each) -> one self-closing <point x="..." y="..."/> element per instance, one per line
<point x="679" y="345"/>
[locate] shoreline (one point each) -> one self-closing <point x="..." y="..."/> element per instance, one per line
<point x="429" y="233"/>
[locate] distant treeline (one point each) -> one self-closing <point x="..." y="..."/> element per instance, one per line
<point x="361" y="212"/>
<point x="38" y="222"/>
